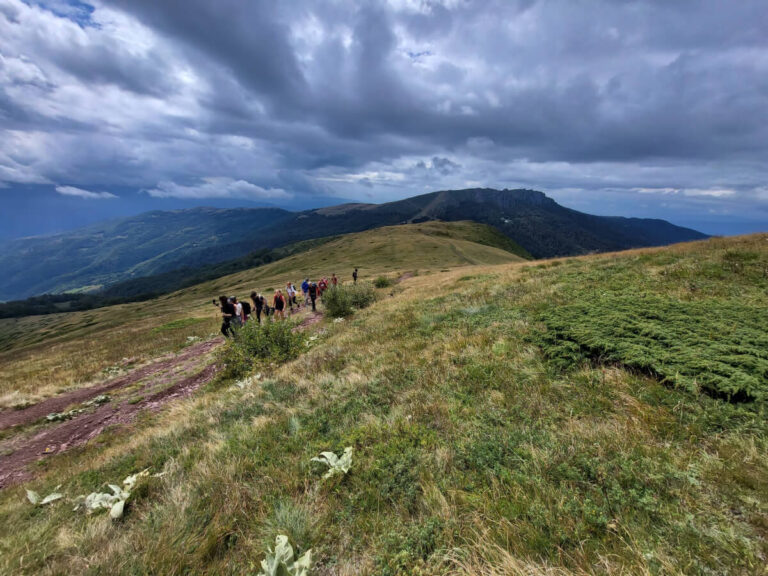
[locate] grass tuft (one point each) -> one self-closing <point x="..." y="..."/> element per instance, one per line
<point x="343" y="300"/>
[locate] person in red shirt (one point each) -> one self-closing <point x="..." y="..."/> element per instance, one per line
<point x="322" y="285"/>
<point x="334" y="280"/>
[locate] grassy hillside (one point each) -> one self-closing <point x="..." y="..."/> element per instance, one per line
<point x="491" y="435"/>
<point x="42" y="354"/>
<point x="148" y="287"/>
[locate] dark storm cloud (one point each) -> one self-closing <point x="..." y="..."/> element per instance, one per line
<point x="597" y="99"/>
<point x="244" y="38"/>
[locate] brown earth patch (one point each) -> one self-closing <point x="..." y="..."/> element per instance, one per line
<point x="310" y="319"/>
<point x="9" y="418"/>
<point x="178" y="371"/>
<point x="149" y="387"/>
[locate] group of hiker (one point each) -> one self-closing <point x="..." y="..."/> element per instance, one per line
<point x="235" y="313"/>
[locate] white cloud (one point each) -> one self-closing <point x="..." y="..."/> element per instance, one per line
<point x="80" y="193"/>
<point x="217" y="187"/>
<point x="712" y="192"/>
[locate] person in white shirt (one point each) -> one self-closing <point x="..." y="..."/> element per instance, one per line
<point x="238" y="319"/>
<point x="291" y="291"/>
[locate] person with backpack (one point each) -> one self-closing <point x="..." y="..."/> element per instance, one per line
<point x="291" y="292"/>
<point x="238" y="318"/>
<point x="354" y="276"/>
<point x="278" y="302"/>
<point x="305" y="291"/>
<point x="258" y="305"/>
<point x="227" y="313"/>
<point x="312" y="291"/>
<point x="334" y="280"/>
<point x="246" y="310"/>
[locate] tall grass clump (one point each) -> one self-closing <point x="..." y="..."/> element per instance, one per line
<point x="382" y="282"/>
<point x="254" y="343"/>
<point x="343" y="300"/>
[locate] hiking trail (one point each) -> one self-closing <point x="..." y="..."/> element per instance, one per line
<point x="149" y="387"/>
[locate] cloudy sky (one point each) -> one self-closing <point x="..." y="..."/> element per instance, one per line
<point x="651" y="108"/>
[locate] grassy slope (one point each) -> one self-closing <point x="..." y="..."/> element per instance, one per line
<point x="40" y="355"/>
<point x="474" y="453"/>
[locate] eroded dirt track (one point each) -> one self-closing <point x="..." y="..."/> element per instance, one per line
<point x="147" y="388"/>
<point x="9" y="418"/>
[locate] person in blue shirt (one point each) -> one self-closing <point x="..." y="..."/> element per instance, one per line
<point x="305" y="291"/>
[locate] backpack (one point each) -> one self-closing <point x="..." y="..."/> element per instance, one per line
<point x="246" y="308"/>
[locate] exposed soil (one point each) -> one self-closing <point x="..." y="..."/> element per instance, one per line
<point x="153" y="386"/>
<point x="310" y="319"/>
<point x="9" y="418"/>
<point x="405" y="276"/>
<point x="149" y="387"/>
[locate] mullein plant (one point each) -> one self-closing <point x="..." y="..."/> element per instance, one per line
<point x="96" y="501"/>
<point x="281" y="562"/>
<point x="336" y="465"/>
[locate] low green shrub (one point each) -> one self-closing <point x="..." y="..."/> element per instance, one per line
<point x="254" y="343"/>
<point x="719" y="346"/>
<point x="382" y="282"/>
<point x="343" y="300"/>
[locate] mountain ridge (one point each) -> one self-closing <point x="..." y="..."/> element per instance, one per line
<point x="97" y="256"/>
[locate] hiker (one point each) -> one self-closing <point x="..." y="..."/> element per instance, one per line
<point x="322" y="286"/>
<point x="291" y="291"/>
<point x="334" y="280"/>
<point x="237" y="320"/>
<point x="305" y="291"/>
<point x="313" y="294"/>
<point x="279" y="304"/>
<point x="246" y="310"/>
<point x="354" y="276"/>
<point x="227" y="313"/>
<point x="295" y="292"/>
<point x="258" y="305"/>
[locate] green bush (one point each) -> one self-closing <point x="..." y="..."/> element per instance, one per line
<point x="343" y="300"/>
<point x="382" y="282"/>
<point x="254" y="343"/>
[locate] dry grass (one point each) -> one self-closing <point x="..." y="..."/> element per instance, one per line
<point x="473" y="455"/>
<point x="44" y="355"/>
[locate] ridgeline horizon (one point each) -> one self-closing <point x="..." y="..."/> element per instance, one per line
<point x="94" y="257"/>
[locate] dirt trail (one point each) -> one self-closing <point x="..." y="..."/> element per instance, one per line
<point x="147" y="388"/>
<point x="405" y="276"/>
<point x="163" y="381"/>
<point x="9" y="418"/>
<point x="310" y="319"/>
